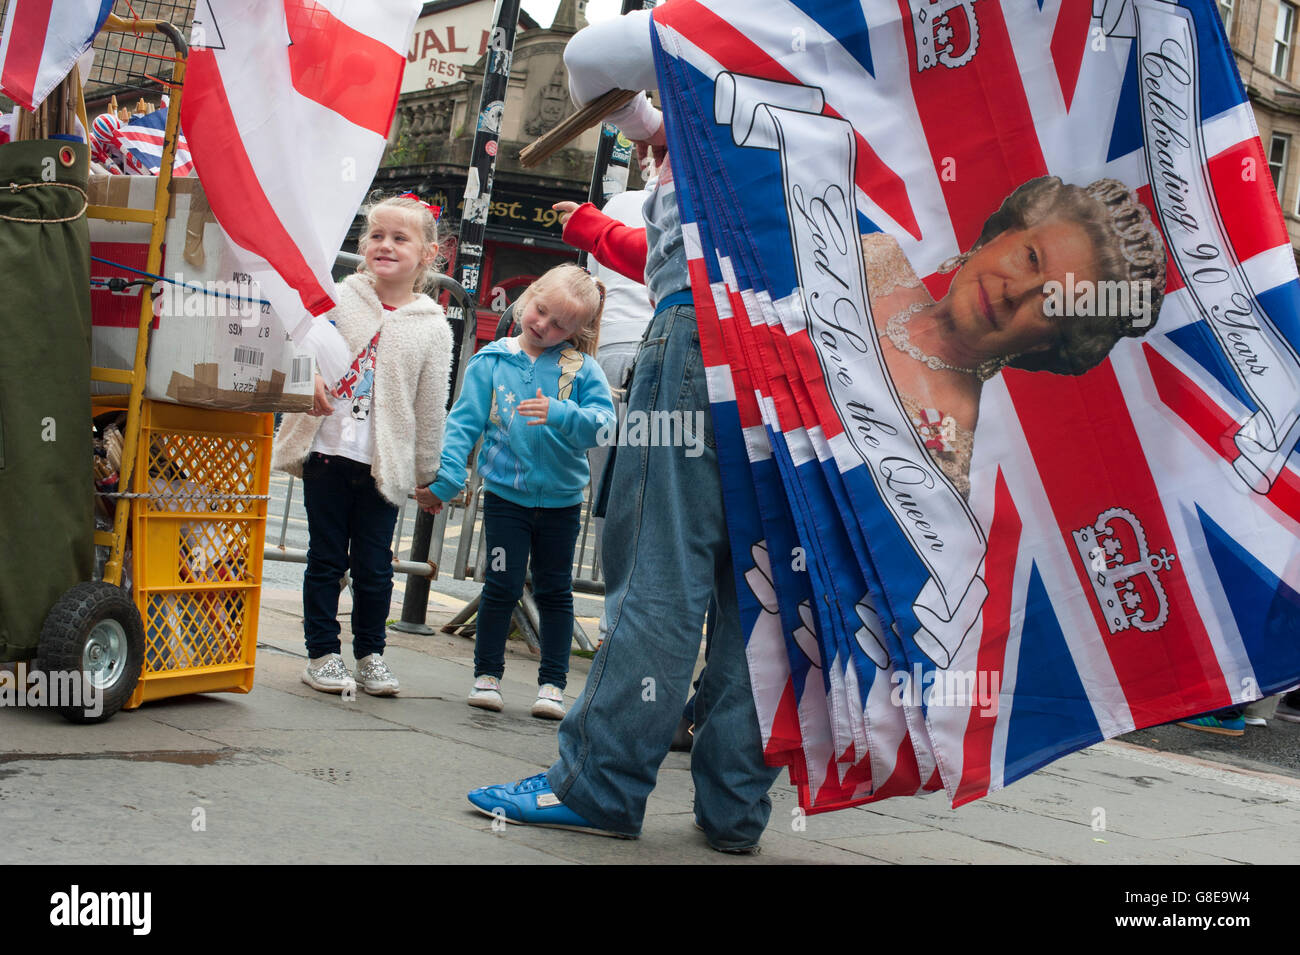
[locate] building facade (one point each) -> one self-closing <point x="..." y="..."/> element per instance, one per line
<point x="1263" y="35"/>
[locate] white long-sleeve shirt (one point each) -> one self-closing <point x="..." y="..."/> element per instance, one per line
<point x="616" y="54"/>
<point x="627" y="303"/>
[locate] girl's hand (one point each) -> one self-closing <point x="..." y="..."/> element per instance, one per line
<point x="322" y="404"/>
<point x="566" y="210"/>
<point x="427" y="501"/>
<point x="535" y="408"/>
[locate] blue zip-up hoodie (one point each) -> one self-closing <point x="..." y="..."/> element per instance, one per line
<point x="529" y="465"/>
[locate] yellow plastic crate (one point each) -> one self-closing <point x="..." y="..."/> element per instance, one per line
<point x="198" y="532"/>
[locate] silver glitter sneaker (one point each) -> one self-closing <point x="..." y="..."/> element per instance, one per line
<point x="486" y="694"/>
<point x="375" y="677"/>
<point x="550" y="703"/>
<point x="329" y="675"/>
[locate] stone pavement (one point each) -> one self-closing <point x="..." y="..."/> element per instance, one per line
<point x="286" y="774"/>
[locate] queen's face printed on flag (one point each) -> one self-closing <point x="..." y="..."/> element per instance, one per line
<point x="1006" y="305"/>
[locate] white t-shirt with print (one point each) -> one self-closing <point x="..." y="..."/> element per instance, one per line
<point x="347" y="433"/>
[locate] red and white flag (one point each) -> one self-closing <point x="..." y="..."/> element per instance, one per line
<point x="42" y="41"/>
<point x="287" y="108"/>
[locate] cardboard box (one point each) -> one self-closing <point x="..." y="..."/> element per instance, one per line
<point x="214" y="346"/>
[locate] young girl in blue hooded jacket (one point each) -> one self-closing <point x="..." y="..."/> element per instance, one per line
<point x="540" y="401"/>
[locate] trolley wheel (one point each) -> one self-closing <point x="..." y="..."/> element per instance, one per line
<point x="94" y="630"/>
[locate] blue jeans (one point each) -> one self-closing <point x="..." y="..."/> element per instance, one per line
<point x="666" y="553"/>
<point x="614" y="361"/>
<point x="511" y="533"/>
<point x="349" y="525"/>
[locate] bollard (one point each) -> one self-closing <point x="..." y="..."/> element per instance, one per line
<point x="415" y="602"/>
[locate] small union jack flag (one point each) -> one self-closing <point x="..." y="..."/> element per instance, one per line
<point x="141" y="143"/>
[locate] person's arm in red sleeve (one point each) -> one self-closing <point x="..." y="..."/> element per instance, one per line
<point x="615" y="245"/>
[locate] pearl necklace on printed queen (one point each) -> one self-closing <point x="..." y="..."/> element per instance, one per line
<point x="896" y="331"/>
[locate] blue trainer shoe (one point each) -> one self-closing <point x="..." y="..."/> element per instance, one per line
<point x="530" y="802"/>
<point x="1231" y="726"/>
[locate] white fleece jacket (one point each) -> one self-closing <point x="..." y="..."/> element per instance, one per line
<point x="408" y="407"/>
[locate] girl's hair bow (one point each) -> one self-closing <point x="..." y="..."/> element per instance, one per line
<point x="435" y="211"/>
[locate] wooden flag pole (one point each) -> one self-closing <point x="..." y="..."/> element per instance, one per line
<point x="572" y="127"/>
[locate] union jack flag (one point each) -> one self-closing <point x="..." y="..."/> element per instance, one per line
<point x="41" y="42"/>
<point x="141" y="143"/>
<point x="1000" y="316"/>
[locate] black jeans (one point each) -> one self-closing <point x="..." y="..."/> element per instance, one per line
<point x="350" y="526"/>
<point x="511" y="533"/>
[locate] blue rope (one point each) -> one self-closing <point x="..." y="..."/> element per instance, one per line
<point x="163" y="278"/>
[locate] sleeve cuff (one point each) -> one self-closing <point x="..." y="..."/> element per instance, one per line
<point x="562" y="412"/>
<point x="638" y="119"/>
<point x="584" y="227"/>
<point x="444" y="490"/>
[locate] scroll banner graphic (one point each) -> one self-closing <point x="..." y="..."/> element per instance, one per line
<point x="1001" y="347"/>
<point x="1262" y="359"/>
<point x="817" y="161"/>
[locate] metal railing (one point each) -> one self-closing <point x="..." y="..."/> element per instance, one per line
<point x="464" y="517"/>
<point x="456" y="547"/>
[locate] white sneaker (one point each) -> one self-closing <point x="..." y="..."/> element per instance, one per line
<point x="486" y="694"/>
<point x="550" y="703"/>
<point x="375" y="677"/>
<point x="329" y="675"/>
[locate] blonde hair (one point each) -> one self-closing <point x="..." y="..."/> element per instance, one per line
<point x="584" y="290"/>
<point x="425" y="224"/>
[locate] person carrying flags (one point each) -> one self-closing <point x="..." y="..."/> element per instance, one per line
<point x="667" y="550"/>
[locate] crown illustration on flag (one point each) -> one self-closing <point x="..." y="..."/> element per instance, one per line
<point x="935" y="32"/>
<point x="1124" y="573"/>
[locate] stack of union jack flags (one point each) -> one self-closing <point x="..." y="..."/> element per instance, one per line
<point x="1000" y="317"/>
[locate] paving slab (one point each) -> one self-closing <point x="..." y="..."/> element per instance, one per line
<point x="41" y="731"/>
<point x="286" y="774"/>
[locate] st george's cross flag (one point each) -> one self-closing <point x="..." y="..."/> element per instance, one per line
<point x="1000" y="317"/>
<point x="41" y="41"/>
<point x="287" y="108"/>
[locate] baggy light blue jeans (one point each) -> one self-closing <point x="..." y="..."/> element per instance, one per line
<point x="666" y="552"/>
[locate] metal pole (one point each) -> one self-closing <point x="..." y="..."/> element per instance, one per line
<point x="415" y="601"/>
<point x="482" y="169"/>
<point x="415" y="570"/>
